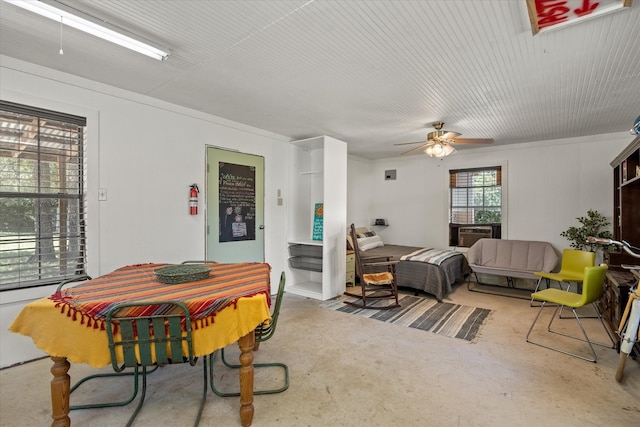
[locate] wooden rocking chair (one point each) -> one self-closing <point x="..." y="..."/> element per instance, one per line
<point x="374" y="286"/>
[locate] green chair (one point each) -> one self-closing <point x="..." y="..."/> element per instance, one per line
<point x="263" y="333"/>
<point x="81" y="278"/>
<point x="592" y="290"/>
<point x="571" y="269"/>
<point x="161" y="335"/>
<point x="95" y="376"/>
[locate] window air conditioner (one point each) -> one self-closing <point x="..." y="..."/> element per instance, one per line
<point x="467" y="236"/>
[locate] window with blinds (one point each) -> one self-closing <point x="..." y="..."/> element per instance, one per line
<point x="476" y="196"/>
<point x="42" y="223"/>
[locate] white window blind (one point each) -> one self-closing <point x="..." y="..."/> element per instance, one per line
<point x="42" y="222"/>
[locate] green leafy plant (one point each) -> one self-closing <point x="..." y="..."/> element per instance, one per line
<point x="594" y="224"/>
<point x="487" y="217"/>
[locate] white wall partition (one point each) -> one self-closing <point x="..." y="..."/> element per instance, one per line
<point x="318" y="175"/>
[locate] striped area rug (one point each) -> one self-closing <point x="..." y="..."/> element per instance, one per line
<point x="451" y="320"/>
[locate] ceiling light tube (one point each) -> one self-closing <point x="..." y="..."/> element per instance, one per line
<point x="91" y="25"/>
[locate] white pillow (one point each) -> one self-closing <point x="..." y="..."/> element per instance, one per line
<point x="367" y="243"/>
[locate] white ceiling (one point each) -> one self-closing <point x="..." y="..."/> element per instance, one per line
<point x="371" y="73"/>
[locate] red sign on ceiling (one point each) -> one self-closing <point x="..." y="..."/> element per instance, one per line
<point x="548" y="14"/>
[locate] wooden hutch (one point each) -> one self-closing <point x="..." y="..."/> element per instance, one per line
<point x="626" y="226"/>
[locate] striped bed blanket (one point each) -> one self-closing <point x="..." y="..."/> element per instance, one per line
<point x="429" y="255"/>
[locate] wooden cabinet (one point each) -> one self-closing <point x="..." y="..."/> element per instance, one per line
<point x="614" y="300"/>
<point x="317" y="174"/>
<point x="626" y="226"/>
<point x="626" y="200"/>
<point x="351" y="268"/>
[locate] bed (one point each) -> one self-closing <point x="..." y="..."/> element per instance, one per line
<point x="433" y="279"/>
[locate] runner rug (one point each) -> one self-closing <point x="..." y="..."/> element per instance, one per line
<point x="442" y="318"/>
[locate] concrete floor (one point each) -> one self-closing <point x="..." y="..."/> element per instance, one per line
<point x="352" y="371"/>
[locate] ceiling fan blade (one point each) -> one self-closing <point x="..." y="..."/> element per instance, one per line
<point x="449" y="135"/>
<point x="415" y="150"/>
<point x="409" y="143"/>
<point x="472" y="141"/>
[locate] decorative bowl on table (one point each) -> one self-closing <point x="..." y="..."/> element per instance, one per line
<point x="175" y="274"/>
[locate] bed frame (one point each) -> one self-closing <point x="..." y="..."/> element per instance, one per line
<point x="436" y="280"/>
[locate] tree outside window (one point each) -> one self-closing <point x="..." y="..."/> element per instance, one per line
<point x="42" y="233"/>
<point x="475" y="196"/>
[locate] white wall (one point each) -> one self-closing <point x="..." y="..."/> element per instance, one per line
<point x="547" y="186"/>
<point x="146" y="153"/>
<point x="359" y="191"/>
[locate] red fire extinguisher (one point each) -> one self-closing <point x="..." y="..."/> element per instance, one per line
<point x="193" y="199"/>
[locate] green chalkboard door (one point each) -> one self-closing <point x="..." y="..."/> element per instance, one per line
<point x="235" y="206"/>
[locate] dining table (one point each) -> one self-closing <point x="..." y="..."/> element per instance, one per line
<point x="225" y="307"/>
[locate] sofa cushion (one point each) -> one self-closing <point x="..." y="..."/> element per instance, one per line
<point x="503" y="256"/>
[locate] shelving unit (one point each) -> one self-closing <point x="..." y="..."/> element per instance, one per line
<point x="626" y="226"/>
<point x="318" y="175"/>
<point x="626" y="200"/>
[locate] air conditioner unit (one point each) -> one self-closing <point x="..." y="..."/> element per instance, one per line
<point x="467" y="236"/>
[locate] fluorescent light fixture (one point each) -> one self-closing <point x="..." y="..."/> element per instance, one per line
<point x="91" y="25"/>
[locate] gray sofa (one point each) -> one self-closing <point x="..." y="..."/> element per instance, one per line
<point x="511" y="258"/>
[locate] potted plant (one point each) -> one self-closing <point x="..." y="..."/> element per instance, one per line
<point x="594" y="224"/>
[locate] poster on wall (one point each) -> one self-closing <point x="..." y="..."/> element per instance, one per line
<point x="237" y="196"/>
<point x="549" y="14"/>
<point x="318" y="218"/>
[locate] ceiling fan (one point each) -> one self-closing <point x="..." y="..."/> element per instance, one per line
<point x="439" y="142"/>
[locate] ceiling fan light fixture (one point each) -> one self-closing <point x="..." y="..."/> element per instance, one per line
<point x="448" y="149"/>
<point x="439" y="150"/>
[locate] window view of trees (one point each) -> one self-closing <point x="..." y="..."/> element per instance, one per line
<point x="475" y="196"/>
<point x="41" y="198"/>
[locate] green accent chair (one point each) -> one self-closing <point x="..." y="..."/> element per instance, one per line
<point x="592" y="290"/>
<point x="163" y="335"/>
<point x="571" y="269"/>
<point x="263" y="333"/>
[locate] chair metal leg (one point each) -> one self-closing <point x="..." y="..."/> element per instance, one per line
<point x="255" y="365"/>
<point x="586" y="337"/>
<point x="538" y="288"/>
<point x="143" y="394"/>
<point x="133" y="373"/>
<point x="204" y="391"/>
<point x="575" y="314"/>
<point x="510" y="285"/>
<point x="136" y="373"/>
